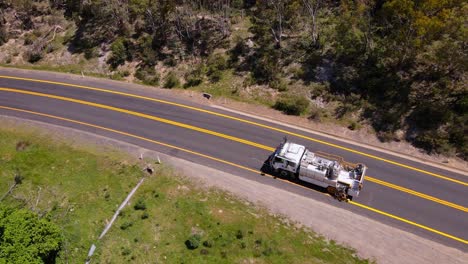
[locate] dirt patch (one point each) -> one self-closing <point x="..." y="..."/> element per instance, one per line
<point x="370" y="238"/>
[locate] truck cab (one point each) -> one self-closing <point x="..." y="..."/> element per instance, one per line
<point x="286" y="158"/>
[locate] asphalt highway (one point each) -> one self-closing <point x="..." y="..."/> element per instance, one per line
<point x="428" y="201"/>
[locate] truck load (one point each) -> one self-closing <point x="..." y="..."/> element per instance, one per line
<point x="340" y="178"/>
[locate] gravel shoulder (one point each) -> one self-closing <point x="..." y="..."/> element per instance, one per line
<point x="371" y="239"/>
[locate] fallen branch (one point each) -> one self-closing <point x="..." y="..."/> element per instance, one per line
<point x="18" y="180"/>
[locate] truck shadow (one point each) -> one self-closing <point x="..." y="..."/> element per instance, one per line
<point x="266" y="169"/>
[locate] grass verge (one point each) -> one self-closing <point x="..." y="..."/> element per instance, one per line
<point x="169" y="220"/>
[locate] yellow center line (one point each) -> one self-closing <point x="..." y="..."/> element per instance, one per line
<point x="415" y="193"/>
<point x="162" y="120"/>
<point x="240" y="120"/>
<point x="234" y="165"/>
<point x="409" y="222"/>
<point x="210" y="132"/>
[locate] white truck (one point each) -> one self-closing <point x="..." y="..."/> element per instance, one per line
<point x="341" y="178"/>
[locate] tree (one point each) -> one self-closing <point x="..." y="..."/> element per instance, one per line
<point x="25" y="238"/>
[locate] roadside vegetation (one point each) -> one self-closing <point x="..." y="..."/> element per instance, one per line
<point x="56" y="200"/>
<point x="396" y="66"/>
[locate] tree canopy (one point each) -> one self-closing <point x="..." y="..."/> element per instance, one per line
<point x="26" y="238"/>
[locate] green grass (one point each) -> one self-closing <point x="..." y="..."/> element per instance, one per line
<point x="69" y="68"/>
<point x="79" y="189"/>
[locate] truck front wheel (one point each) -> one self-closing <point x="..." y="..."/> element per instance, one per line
<point x="284" y="174"/>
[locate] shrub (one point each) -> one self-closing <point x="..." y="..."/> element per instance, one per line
<point x="195" y="77"/>
<point x="215" y="76"/>
<point x="119" y="53"/>
<point x="239" y="234"/>
<point x="316" y="114"/>
<point x="140" y="204"/>
<point x="3" y="35"/>
<point x="126" y="225"/>
<point x="126" y="251"/>
<point x="353" y="125"/>
<point x="171" y="81"/>
<point x="208" y="243"/>
<point x="249" y="80"/>
<point x="279" y="84"/>
<point x="29" y="39"/>
<point x="51" y="47"/>
<point x="193" y="242"/>
<point x="91" y="53"/>
<point x="117" y="76"/>
<point x="215" y="65"/>
<point x="33" y="56"/>
<point x="292" y="104"/>
<point x="193" y="81"/>
<point x="147" y="75"/>
<point x="217" y="61"/>
<point x="145" y="215"/>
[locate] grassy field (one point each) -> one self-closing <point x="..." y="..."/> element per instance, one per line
<point x="80" y="189"/>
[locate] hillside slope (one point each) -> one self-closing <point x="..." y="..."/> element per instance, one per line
<point x="398" y="68"/>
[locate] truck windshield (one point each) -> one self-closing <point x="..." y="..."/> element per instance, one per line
<point x="278" y="160"/>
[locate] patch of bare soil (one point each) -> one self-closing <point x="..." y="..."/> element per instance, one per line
<point x="370" y="238"/>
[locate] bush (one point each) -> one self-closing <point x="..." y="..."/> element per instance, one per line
<point x="91" y="53"/>
<point x="193" y="242"/>
<point x="145" y="215"/>
<point x="126" y="225"/>
<point x="208" y="243"/>
<point x="195" y="77"/>
<point x="117" y="76"/>
<point x="119" y="53"/>
<point x="239" y="234"/>
<point x="147" y="75"/>
<point x="215" y="65"/>
<point x="171" y="81"/>
<point x="126" y="252"/>
<point x="3" y="35"/>
<point x="279" y="84"/>
<point x="193" y="81"/>
<point x="292" y="105"/>
<point x="216" y="61"/>
<point x="33" y="56"/>
<point x="215" y="76"/>
<point x="353" y="125"/>
<point x="140" y="205"/>
<point x="51" y="47"/>
<point x="29" y="39"/>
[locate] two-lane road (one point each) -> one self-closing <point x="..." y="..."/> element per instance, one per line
<point x="426" y="200"/>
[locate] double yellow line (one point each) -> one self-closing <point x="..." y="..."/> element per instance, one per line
<point x="232" y="164"/>
<point x="418" y="194"/>
<point x="240" y="120"/>
<point x="154" y="118"/>
<point x="221" y="135"/>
